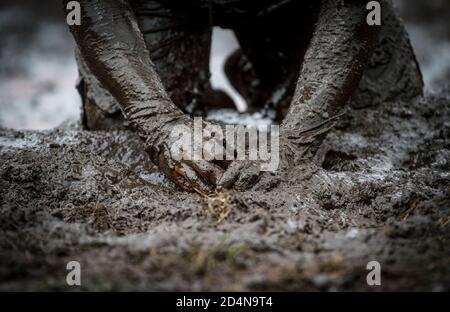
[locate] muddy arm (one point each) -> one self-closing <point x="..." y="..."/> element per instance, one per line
<point x="112" y="45"/>
<point x="339" y="52"/>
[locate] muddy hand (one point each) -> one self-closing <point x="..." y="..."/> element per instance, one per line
<point x="240" y="175"/>
<point x="199" y="176"/>
<point x="172" y="150"/>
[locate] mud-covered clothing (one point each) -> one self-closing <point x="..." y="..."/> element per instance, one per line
<point x="274" y="36"/>
<point x="225" y="13"/>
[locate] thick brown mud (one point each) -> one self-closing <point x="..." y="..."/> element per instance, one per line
<point x="379" y="191"/>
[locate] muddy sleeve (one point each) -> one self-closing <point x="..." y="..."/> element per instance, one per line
<point x="113" y="47"/>
<point x="334" y="62"/>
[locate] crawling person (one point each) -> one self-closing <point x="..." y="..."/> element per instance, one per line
<point x="145" y="63"/>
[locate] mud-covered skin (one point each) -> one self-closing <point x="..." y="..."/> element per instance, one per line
<point x="333" y="66"/>
<point x="331" y="71"/>
<point x="335" y="60"/>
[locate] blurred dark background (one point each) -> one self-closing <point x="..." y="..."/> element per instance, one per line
<point x="38" y="70"/>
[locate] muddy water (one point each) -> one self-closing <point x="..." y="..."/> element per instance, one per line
<point x="379" y="191"/>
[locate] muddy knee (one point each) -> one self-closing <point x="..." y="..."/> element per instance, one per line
<point x="393" y="72"/>
<point x="242" y="77"/>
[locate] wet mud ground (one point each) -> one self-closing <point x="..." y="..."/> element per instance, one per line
<point x="379" y="191"/>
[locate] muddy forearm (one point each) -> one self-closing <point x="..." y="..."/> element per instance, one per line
<point x="110" y="42"/>
<point x="332" y="69"/>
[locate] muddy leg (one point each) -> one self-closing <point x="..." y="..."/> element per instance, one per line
<point x="393" y="73"/>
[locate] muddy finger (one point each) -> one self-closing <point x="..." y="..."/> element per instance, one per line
<point x="190" y="180"/>
<point x="207" y="170"/>
<point x="248" y="176"/>
<point x="230" y="176"/>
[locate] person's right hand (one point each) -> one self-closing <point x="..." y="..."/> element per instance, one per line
<point x="190" y="175"/>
